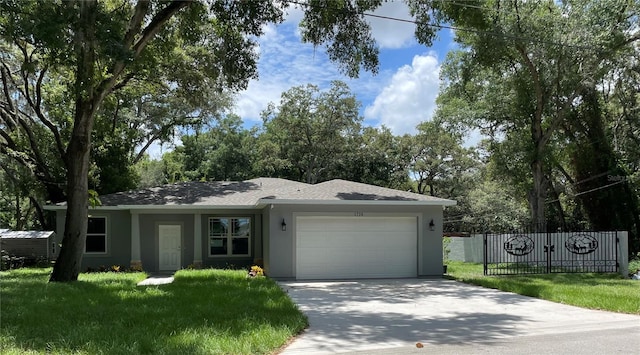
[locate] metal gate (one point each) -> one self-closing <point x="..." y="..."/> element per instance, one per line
<point x="540" y="253"/>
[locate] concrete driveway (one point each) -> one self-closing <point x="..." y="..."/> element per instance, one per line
<point x="446" y="317"/>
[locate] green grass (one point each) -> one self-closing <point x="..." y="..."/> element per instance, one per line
<point x="201" y="312"/>
<point x="608" y="292"/>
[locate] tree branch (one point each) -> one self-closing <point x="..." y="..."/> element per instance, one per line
<point x="33" y="143"/>
<point x="5" y="87"/>
<point x="147" y="35"/>
<point x="125" y="80"/>
<point x="43" y="118"/>
<point x="135" y="23"/>
<point x="35" y="106"/>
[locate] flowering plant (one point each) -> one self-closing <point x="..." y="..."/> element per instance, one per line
<point x="256" y="271"/>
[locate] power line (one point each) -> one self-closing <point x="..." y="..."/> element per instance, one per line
<point x="440" y="26"/>
<point x="592" y="190"/>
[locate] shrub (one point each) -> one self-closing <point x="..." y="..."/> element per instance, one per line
<point x="114" y="268"/>
<point x="136" y="268"/>
<point x="10" y="262"/>
<point x="446" y="250"/>
<point x="634" y="263"/>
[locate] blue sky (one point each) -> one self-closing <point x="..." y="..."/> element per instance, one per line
<point x="400" y="96"/>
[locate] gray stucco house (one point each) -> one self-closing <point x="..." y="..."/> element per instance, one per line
<point x="332" y="230"/>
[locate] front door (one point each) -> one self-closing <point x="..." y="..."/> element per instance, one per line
<point x="170" y="237"/>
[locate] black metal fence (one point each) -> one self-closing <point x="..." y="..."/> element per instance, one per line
<point x="558" y="252"/>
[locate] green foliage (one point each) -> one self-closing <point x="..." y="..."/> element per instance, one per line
<point x="94" y="199"/>
<point x="377" y="157"/>
<point x="493" y="207"/>
<point x="438" y="159"/>
<point x="310" y="130"/>
<point x="221" y="153"/>
<point x="202" y="311"/>
<point x="634" y="263"/>
<point x="446" y="250"/>
<point x="341" y="25"/>
<point x="151" y="172"/>
<point x="523" y="76"/>
<point x="94" y="49"/>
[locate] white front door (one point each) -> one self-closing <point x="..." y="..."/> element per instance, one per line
<point x="170" y="237"/>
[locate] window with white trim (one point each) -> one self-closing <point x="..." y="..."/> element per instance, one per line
<point x="229" y="236"/>
<point x="96" y="242"/>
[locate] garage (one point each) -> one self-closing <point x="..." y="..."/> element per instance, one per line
<point x="347" y="247"/>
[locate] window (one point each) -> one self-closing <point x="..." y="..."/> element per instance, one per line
<point x="96" y="242"/>
<point x="229" y="236"/>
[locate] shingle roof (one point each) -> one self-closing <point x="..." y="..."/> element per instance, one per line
<point x="217" y="193"/>
<point x="8" y="234"/>
<point x="340" y="190"/>
<point x="261" y="191"/>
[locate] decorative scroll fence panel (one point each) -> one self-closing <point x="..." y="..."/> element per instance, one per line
<point x="538" y="253"/>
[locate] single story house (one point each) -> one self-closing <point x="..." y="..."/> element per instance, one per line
<point x="332" y="230"/>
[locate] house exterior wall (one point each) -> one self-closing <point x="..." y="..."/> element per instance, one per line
<point x="280" y="245"/>
<point x="270" y="245"/>
<point x="118" y="225"/>
<point x="119" y="237"/>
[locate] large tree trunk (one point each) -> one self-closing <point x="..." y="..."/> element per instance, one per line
<point x="537" y="196"/>
<point x="89" y="95"/>
<point x="67" y="266"/>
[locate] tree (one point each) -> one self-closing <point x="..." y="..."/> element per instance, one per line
<point x="311" y="130"/>
<point x="528" y="63"/>
<point x="222" y="153"/>
<point x="93" y="49"/>
<point x="376" y="157"/>
<point x="151" y="172"/>
<point x="438" y="157"/>
<point x="110" y="44"/>
<point x="20" y="207"/>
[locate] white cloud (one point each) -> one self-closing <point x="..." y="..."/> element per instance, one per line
<point x="390" y="33"/>
<point x="293" y="14"/>
<point x="409" y="98"/>
<point x="286" y="62"/>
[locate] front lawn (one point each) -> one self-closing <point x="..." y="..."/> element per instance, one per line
<point x="609" y="292"/>
<point x="201" y="312"/>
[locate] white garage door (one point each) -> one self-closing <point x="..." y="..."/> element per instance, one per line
<point x="356" y="247"/>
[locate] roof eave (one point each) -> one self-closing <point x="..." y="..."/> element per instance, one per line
<point x="266" y="201"/>
<point x="442" y="202"/>
<point x="158" y="207"/>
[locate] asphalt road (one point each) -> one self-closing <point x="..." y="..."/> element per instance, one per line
<point x="596" y="342"/>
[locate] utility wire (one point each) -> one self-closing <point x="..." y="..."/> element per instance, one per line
<point x="440" y="26"/>
<point x="589" y="191"/>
